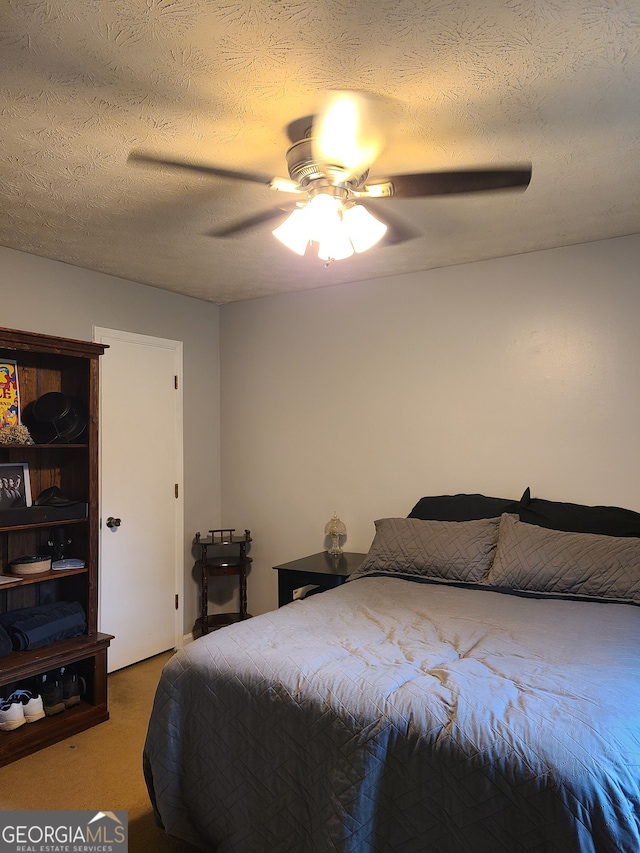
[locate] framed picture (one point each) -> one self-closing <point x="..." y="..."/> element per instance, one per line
<point x="9" y="393"/>
<point x="15" y="486"/>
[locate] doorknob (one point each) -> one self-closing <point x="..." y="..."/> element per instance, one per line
<point x="113" y="522"/>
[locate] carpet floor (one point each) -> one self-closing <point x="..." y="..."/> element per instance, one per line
<point x="99" y="769"/>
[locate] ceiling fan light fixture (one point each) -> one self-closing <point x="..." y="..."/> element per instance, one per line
<point x="338" y="230"/>
<point x="319" y="221"/>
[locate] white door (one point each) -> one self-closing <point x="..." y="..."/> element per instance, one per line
<point x="141" y="495"/>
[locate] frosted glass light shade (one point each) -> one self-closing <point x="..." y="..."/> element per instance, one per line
<point x="293" y="232"/>
<point x="329" y="231"/>
<point x="364" y="229"/>
<point x="335" y="246"/>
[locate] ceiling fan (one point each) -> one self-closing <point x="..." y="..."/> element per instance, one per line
<point x="328" y="165"/>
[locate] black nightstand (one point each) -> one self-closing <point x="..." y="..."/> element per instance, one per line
<point x="321" y="569"/>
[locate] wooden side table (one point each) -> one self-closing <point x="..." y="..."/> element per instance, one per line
<point x="321" y="569"/>
<point x="229" y="557"/>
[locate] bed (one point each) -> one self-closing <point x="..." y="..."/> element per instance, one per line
<point x="474" y="688"/>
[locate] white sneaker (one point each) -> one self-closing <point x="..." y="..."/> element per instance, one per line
<point x="11" y="715"/>
<point x="32" y="704"/>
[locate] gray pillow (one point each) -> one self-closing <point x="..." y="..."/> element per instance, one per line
<point x="534" y="558"/>
<point x="441" y="550"/>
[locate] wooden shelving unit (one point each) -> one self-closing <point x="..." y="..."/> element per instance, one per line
<point x="45" y="364"/>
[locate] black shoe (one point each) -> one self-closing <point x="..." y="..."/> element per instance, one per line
<point x="72" y="686"/>
<point x="50" y="688"/>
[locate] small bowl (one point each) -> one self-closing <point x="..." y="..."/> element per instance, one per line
<point x="30" y="565"/>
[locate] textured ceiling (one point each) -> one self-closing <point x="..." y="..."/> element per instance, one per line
<point x="464" y="83"/>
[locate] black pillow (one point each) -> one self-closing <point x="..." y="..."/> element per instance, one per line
<point x="461" y="507"/>
<point x="577" y="518"/>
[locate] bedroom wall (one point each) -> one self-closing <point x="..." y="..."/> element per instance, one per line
<point x="54" y="298"/>
<point x="488" y="377"/>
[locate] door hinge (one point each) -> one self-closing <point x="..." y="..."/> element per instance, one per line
<point x="176" y="490"/>
<point x="176" y="601"/>
<point x="175" y="382"/>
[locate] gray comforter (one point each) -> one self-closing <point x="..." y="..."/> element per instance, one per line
<point x="389" y="715"/>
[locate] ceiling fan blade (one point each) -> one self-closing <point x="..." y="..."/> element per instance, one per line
<point x="233" y="174"/>
<point x="250" y="221"/>
<point x="459" y="181"/>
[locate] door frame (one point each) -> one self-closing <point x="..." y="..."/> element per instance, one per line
<point x="100" y="334"/>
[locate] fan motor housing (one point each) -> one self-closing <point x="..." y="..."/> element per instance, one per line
<point x="305" y="169"/>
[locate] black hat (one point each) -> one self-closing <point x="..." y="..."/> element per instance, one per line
<point x="56" y="417"/>
<point x="53" y="497"/>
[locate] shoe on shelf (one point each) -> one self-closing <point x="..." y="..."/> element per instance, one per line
<point x="32" y="705"/>
<point x="11" y="715"/>
<point x="50" y="688"/>
<point x="72" y="686"/>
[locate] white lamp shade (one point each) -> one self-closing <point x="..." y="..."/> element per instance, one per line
<point x="335" y="246"/>
<point x="293" y="232"/>
<point x="363" y="228"/>
<point x="323" y="216"/>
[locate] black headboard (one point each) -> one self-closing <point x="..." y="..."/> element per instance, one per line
<point x="556" y="515"/>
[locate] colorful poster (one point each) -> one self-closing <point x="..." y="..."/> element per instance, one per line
<point x="9" y="394"/>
